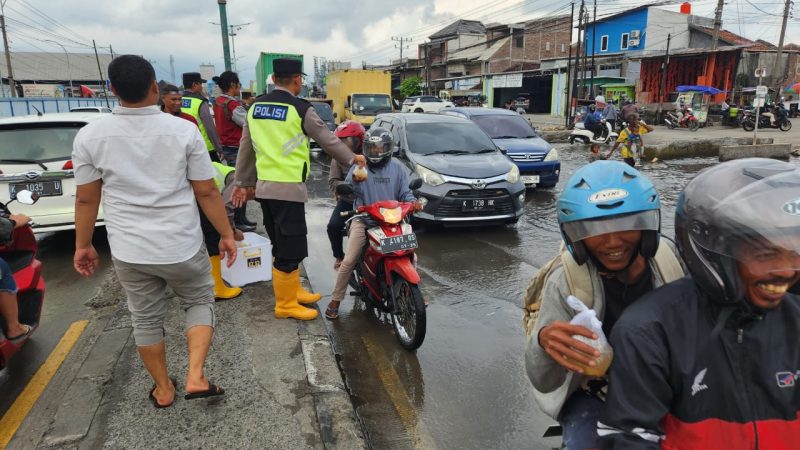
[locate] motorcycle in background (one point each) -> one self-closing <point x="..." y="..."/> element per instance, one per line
<point x="20" y="254"/>
<point x="687" y="121"/>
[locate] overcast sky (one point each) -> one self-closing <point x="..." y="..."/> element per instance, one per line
<point x="352" y="30"/>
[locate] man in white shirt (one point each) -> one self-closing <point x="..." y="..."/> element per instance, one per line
<point x="149" y="168"/>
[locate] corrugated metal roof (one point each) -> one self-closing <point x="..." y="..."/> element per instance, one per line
<point x="479" y="53"/>
<point x="40" y="66"/>
<point x="460" y="27"/>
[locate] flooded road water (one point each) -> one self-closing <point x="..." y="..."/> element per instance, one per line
<point x="466" y="386"/>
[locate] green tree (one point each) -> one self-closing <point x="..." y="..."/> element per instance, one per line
<point x="410" y="87"/>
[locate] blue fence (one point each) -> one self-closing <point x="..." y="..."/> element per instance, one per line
<point x="10" y="107"/>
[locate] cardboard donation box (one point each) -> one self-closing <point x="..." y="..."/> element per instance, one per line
<point x="253" y="261"/>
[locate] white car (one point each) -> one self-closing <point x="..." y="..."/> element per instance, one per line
<point x="94" y="109"/>
<point x="35" y="154"/>
<point x="424" y="103"/>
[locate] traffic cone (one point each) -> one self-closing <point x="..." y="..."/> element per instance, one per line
<point x="221" y="290"/>
<point x="286" y="304"/>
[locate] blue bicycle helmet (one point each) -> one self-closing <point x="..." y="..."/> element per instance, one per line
<point x="605" y="197"/>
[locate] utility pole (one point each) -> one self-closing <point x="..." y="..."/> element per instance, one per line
<point x="172" y="68"/>
<point x="223" y="18"/>
<point x="5" y="45"/>
<point x="776" y="70"/>
<point x="575" y="87"/>
<point x="585" y="54"/>
<point x="594" y="39"/>
<point x="717" y="25"/>
<point x="401" y="43"/>
<point x="663" y="79"/>
<point x="102" y="80"/>
<point x="111" y="50"/>
<point x="232" y="34"/>
<point x="568" y="106"/>
<point x="426" y="48"/>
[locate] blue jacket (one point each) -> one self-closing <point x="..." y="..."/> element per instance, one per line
<point x="388" y="182"/>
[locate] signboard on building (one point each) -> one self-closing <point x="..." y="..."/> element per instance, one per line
<point x="514" y="80"/>
<point x="466" y="83"/>
<point x="207" y="71"/>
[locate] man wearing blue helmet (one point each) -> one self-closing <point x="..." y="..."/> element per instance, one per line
<point x="610" y="223"/>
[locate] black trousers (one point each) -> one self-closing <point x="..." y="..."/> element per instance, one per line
<point x="286" y="226"/>
<point x="336" y="228"/>
<point x="210" y="234"/>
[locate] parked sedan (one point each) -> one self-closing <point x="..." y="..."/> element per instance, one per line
<point x="467" y="180"/>
<point x="425" y="103"/>
<point x="537" y="160"/>
<point x="35" y="155"/>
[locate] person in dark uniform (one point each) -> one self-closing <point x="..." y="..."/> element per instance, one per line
<point x="196" y="105"/>
<point x="274" y="157"/>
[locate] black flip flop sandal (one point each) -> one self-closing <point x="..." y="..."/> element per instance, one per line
<point x="212" y="391"/>
<point x="153" y="397"/>
<point x="27" y="333"/>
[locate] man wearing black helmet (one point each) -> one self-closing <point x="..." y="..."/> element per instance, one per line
<point x="711" y="361"/>
<point x="386" y="180"/>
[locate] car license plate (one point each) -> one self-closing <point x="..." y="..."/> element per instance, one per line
<point x="43" y="188"/>
<point x="477" y="205"/>
<point x="397" y="243"/>
<point x="530" y="179"/>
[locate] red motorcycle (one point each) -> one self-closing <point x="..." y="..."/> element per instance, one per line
<point x="20" y="255"/>
<point x="688" y="120"/>
<point x="386" y="279"/>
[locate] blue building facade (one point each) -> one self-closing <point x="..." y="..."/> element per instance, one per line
<point x="622" y="33"/>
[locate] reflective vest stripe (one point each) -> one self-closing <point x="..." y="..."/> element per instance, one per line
<point x="191" y="106"/>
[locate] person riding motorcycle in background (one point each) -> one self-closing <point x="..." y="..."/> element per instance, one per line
<point x="593" y="121"/>
<point x="352" y="134"/>
<point x="386" y="180"/>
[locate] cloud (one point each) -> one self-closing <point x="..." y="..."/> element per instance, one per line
<point x="352" y="29"/>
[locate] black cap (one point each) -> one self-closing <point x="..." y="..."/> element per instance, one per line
<point x="190" y="78"/>
<point x="287" y="66"/>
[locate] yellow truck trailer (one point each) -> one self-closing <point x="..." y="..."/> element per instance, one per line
<point x="359" y="95"/>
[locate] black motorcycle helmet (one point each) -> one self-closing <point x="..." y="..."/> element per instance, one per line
<point x="378" y="146"/>
<point x="754" y="201"/>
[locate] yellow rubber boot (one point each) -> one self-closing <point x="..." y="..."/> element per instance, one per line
<point x="221" y="290"/>
<point x="286" y="305"/>
<point x="305" y="297"/>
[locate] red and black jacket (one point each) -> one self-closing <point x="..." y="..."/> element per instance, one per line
<point x="675" y="385"/>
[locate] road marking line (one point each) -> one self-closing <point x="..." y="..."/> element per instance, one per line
<point x="27" y="398"/>
<point x="397" y="394"/>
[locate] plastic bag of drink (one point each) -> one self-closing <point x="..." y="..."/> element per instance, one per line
<point x="588" y="318"/>
<point x="360" y="173"/>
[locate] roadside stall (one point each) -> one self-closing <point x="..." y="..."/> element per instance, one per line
<point x="698" y="98"/>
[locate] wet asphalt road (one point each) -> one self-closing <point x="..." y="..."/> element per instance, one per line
<point x="65" y="294"/>
<point x="466" y="386"/>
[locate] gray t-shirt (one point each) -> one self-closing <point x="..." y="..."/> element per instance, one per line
<point x="146" y="160"/>
<point x="389" y="182"/>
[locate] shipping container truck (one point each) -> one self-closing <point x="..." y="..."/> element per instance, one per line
<point x="264" y="70"/>
<point x="360" y="95"/>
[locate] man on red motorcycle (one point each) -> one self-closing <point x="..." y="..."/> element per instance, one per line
<point x="15" y="331"/>
<point x="386" y="180"/>
<point x="687" y="113"/>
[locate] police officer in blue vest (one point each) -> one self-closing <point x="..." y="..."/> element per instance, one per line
<point x="274" y="158"/>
